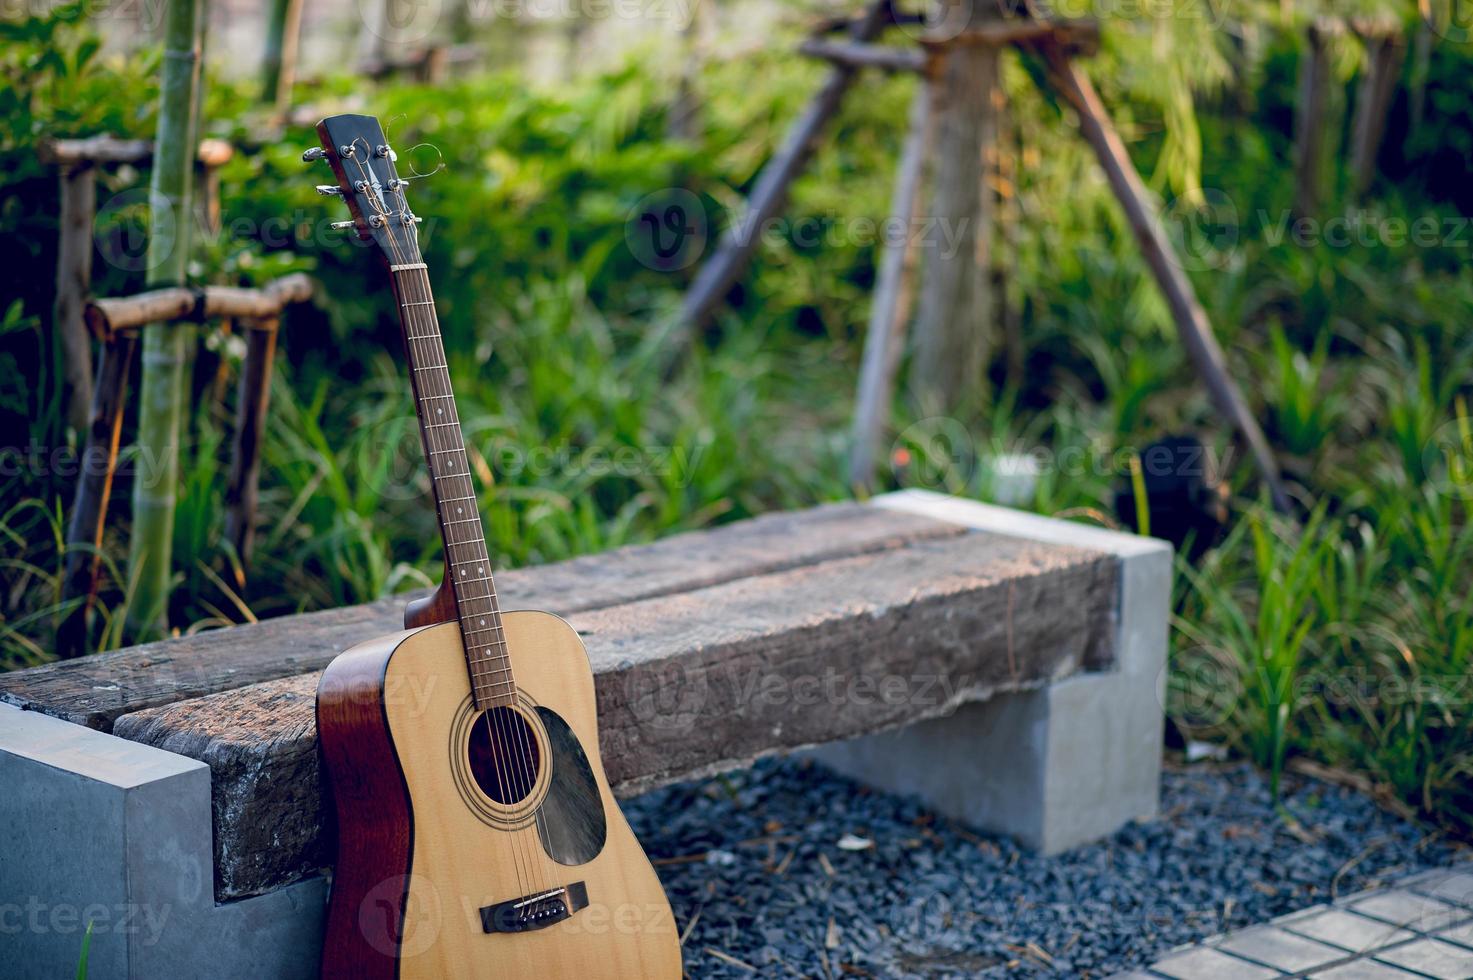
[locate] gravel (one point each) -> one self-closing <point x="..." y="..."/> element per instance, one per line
<point x="790" y="870"/>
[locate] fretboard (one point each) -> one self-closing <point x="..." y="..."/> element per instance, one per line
<point x="466" y="560"/>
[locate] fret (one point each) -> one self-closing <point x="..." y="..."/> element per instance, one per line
<point x="461" y="528"/>
<point x="494" y="670"/>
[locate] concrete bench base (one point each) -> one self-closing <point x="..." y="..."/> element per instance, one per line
<point x="116" y="833"/>
<point x="1062" y="765"/>
<point x="119" y="833"/>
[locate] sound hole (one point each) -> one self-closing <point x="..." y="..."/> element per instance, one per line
<point x="503" y="755"/>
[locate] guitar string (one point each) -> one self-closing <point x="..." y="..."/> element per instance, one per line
<point x="522" y="779"/>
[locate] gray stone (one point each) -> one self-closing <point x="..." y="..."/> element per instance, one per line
<point x="1433" y="958"/>
<point x="1274" y="947"/>
<point x="1083" y="753"/>
<point x="1347" y="930"/>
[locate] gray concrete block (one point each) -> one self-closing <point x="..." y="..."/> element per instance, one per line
<point x="1059" y="766"/>
<point x="118" y="835"/>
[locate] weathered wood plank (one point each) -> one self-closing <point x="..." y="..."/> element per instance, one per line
<point x="704" y="680"/>
<point x="94" y="690"/>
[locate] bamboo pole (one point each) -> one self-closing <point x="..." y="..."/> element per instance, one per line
<point x="73" y="280"/>
<point x="888" y="311"/>
<point x="740" y="241"/>
<point x="88" y="515"/>
<point x="279" y="64"/>
<point x="166" y="348"/>
<point x="1191" y="320"/>
<point x="250" y="424"/>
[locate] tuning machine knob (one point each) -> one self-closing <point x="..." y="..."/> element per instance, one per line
<point x="329" y="190"/>
<point x="341" y="225"/>
<point x="316" y="153"/>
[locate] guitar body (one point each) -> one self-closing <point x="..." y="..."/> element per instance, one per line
<point x="439" y="821"/>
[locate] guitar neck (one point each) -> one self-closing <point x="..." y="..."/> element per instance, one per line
<point x="467" y="562"/>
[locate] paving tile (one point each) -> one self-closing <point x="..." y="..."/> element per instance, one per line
<point x="1284" y="950"/>
<point x="1432" y="957"/>
<point x="1455" y="887"/>
<point x="1364" y="970"/>
<point x="1459" y="934"/>
<point x="1409" y="909"/>
<point x="1343" y="928"/>
<point x="1210" y="964"/>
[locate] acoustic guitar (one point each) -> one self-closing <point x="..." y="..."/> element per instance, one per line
<point x="477" y="835"/>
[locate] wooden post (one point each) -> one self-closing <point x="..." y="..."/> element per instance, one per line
<point x="889" y="309"/>
<point x="742" y="239"/>
<point x="1417" y="83"/>
<point x="99" y="463"/>
<point x="73" y="281"/>
<point x="250" y="424"/>
<point x="954" y="322"/>
<point x="1385" y="51"/>
<point x="1191" y="320"/>
<point x="1313" y="124"/>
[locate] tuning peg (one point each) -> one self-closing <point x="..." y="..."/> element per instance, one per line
<point x="341" y="225"/>
<point x="329" y="190"/>
<point x="316" y="153"/>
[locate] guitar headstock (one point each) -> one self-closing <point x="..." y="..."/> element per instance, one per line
<point x="363" y="163"/>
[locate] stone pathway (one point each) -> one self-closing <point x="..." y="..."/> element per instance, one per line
<point x="1421" y="927"/>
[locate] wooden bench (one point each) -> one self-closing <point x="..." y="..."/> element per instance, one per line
<point x="1005" y="667"/>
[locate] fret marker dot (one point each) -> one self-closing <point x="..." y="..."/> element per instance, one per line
<point x="459" y="510"/>
<point x="483" y="622"/>
<point x="479" y="569"/>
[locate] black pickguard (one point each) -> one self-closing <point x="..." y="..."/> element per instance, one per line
<point x="571" y="820"/>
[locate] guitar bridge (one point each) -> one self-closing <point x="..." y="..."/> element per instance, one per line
<point x="532" y="912"/>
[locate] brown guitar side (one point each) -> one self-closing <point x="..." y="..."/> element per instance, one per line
<point x="374" y="822"/>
